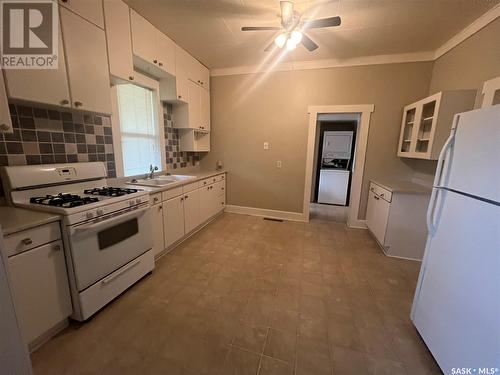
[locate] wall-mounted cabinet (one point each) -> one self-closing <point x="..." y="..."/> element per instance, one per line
<point x="119" y="40"/>
<point x="195" y="113"/>
<point x="91" y="10"/>
<point x="153" y="51"/>
<point x="427" y="123"/>
<point x="194" y="140"/>
<point x="5" y="120"/>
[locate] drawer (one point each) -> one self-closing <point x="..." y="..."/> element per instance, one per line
<point x="154" y="199"/>
<point x="172" y="193"/>
<point x="211" y="180"/>
<point x="190" y="187"/>
<point x="28" y="239"/>
<point x="96" y="296"/>
<point x="381" y="192"/>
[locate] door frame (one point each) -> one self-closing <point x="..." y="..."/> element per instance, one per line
<point x="364" y="111"/>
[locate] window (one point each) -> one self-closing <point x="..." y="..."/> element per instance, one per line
<point x="138" y="127"/>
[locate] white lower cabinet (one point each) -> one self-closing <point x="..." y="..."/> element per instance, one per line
<point x="173" y="220"/>
<point x="157" y="219"/>
<point x="191" y="210"/>
<point x="40" y="289"/>
<point x="377" y="213"/>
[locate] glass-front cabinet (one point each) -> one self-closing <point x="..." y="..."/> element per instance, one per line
<point x="427" y="123"/>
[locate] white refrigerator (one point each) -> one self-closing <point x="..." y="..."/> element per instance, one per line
<point x="456" y="308"/>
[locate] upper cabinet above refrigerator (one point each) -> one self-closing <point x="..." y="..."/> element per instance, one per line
<point x="427" y="123"/>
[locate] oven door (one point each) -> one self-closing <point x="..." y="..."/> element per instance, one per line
<point x="100" y="247"/>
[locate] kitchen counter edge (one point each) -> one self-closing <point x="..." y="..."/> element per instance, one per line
<point x="14" y="219"/>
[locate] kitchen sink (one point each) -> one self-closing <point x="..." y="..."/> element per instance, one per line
<point x="161" y="180"/>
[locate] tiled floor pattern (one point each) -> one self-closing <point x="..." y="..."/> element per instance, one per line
<point x="248" y="296"/>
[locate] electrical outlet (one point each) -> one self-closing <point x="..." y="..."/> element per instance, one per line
<point x="266" y="145"/>
<point x="278" y="164"/>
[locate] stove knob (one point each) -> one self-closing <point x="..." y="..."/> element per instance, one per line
<point x="100" y="212"/>
<point x="138" y="201"/>
<point x="90" y="215"/>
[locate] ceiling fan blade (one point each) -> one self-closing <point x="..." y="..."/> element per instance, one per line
<point x="323" y="22"/>
<point x="269" y="47"/>
<point x="286" y="13"/>
<point x="308" y="43"/>
<point x="259" y="28"/>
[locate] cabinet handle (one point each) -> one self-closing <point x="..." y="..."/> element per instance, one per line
<point x="64" y="1"/>
<point x="155" y="200"/>
<point x="160" y="63"/>
<point x="155" y="61"/>
<point x="78" y="104"/>
<point x="186" y="196"/>
<point x="4" y="127"/>
<point x="160" y="208"/>
<point x="222" y="188"/>
<point x="56" y="248"/>
<point x="182" y="199"/>
<point x="382" y="195"/>
<point x="64" y="102"/>
<point x="377" y="198"/>
<point x="131" y="78"/>
<point x="180" y="96"/>
<point x="27" y="241"/>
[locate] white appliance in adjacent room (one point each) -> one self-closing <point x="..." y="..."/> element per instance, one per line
<point x="106" y="230"/>
<point x="456" y="308"/>
<point x="335" y="162"/>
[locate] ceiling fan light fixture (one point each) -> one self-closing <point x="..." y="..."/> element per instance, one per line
<point x="280" y="40"/>
<point x="290" y="44"/>
<point x="296" y="36"/>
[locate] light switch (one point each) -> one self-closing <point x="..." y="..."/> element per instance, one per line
<point x="266" y="145"/>
<point x="278" y="164"/>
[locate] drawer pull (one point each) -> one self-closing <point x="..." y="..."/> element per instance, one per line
<point x="377" y="198"/>
<point x="27" y="241"/>
<point x="382" y="195"/>
<point x="112" y="277"/>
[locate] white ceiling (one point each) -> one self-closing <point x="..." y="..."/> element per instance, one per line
<point x="210" y="29"/>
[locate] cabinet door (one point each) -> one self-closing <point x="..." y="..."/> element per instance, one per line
<point x="205" y="109"/>
<point x="40" y="289"/>
<point x="205" y="76"/>
<point x="87" y="63"/>
<point x="173" y="220"/>
<point x="377" y="215"/>
<point x="48" y="86"/>
<point x="5" y="120"/>
<point x="194" y="105"/>
<point x="91" y="10"/>
<point x="191" y="210"/>
<point x="206" y="203"/>
<point x="165" y="48"/>
<point x="182" y="86"/>
<point x="143" y="38"/>
<point x="157" y="221"/>
<point x="119" y="39"/>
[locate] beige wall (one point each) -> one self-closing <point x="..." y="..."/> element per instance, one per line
<point x="469" y="64"/>
<point x="245" y="115"/>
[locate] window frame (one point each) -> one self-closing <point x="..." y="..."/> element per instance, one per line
<point x="154" y="86"/>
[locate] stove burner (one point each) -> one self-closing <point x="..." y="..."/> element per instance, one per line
<point x="63" y="200"/>
<point x="110" y="191"/>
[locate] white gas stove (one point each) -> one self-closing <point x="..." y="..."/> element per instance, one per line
<point x="106" y="230"/>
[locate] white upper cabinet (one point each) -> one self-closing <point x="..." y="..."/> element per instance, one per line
<point x="143" y="38"/>
<point x="205" y="109"/>
<point x="200" y="74"/>
<point x="427" y="123"/>
<point x="166" y="53"/>
<point x="119" y="39"/>
<point x="5" y="120"/>
<point x="91" y="10"/>
<point x="154" y="52"/>
<point x="190" y="68"/>
<point x="49" y="86"/>
<point x="194" y="107"/>
<point x="87" y="63"/>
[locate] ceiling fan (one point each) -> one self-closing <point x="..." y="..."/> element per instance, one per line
<point x="292" y="28"/>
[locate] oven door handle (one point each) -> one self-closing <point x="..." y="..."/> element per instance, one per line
<point x="115" y="220"/>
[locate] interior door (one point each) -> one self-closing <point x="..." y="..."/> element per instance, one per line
<point x="457" y="305"/>
<point x="173" y="220"/>
<point x="49" y="86"/>
<point x="40" y="289"/>
<point x="87" y="63"/>
<point x="191" y="210"/>
<point x="157" y="221"/>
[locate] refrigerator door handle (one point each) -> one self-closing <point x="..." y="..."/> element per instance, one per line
<point x="437" y="178"/>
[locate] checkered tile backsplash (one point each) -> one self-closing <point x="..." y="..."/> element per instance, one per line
<point x="42" y="135"/>
<point x="175" y="158"/>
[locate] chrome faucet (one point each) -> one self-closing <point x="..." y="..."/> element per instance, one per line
<point x="151" y="173"/>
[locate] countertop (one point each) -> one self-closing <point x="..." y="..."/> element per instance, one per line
<point x="199" y="175"/>
<point x="402" y="186"/>
<point x="13" y="219"/>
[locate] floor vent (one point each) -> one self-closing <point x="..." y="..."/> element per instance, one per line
<point x="271" y="219"/>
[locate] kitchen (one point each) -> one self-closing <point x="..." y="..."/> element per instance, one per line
<point x="171" y="192"/>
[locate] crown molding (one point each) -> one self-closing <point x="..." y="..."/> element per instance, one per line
<point x="464" y="34"/>
<point x="468" y="31"/>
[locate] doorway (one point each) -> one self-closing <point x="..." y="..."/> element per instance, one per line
<point x="352" y="116"/>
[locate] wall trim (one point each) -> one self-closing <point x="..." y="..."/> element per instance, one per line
<point x="458" y="38"/>
<point x="262" y="212"/>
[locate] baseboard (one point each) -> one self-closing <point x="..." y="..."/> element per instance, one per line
<point x="262" y="212"/>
